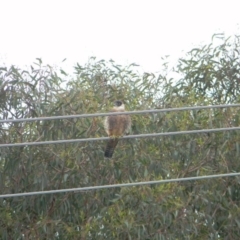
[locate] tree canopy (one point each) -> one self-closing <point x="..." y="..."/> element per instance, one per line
<point x="206" y="209"/>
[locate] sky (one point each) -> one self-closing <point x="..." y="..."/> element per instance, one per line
<point x="127" y="31"/>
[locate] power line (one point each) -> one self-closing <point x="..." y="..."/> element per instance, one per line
<point x="124" y="137"/>
<point x="118" y="185"/>
<point x="117" y="113"/>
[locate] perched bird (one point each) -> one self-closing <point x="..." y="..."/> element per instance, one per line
<point x="116" y="126"/>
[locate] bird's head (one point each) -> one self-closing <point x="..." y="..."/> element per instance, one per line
<point x="118" y="104"/>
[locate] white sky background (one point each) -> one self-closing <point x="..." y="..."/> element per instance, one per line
<point x="125" y="31"/>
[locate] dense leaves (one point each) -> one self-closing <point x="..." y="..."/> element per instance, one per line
<point x="206" y="209"/>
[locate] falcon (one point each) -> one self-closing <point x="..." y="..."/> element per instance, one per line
<point x="116" y="126"/>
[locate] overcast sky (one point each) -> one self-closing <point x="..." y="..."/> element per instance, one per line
<point x="125" y="31"/>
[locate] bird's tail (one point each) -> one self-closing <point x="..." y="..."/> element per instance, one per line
<point x="112" y="143"/>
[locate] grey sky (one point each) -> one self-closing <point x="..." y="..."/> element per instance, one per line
<point x="125" y="31"/>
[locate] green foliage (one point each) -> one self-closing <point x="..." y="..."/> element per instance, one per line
<point x="207" y="209"/>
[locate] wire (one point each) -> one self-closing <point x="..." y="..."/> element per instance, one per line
<point x="124" y="137"/>
<point x="118" y="185"/>
<point x="117" y="113"/>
